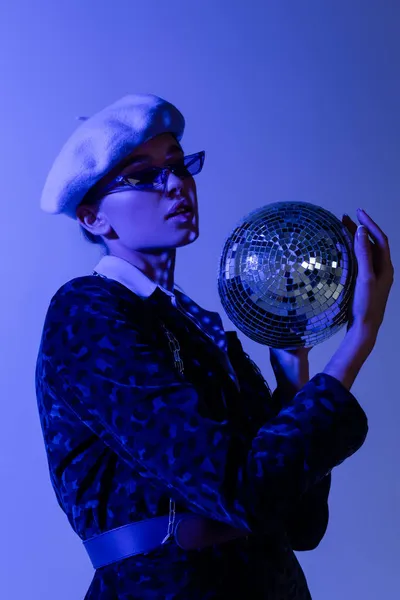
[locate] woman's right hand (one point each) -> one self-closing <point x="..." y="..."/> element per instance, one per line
<point x="375" y="276"/>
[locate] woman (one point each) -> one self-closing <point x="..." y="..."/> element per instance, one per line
<point x="181" y="473"/>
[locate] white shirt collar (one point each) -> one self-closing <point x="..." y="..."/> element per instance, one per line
<point x="130" y="276"/>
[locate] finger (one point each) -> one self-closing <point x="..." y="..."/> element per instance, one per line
<point x="349" y="224"/>
<point x="382" y="248"/>
<point x="352" y="227"/>
<point x="362" y="248"/>
<point x="379" y="237"/>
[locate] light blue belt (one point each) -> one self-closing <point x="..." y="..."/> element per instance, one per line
<point x="190" y="532"/>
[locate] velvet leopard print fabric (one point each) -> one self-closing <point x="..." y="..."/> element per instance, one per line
<point x="125" y="431"/>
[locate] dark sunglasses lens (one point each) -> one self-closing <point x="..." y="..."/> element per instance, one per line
<point x="194" y="163"/>
<point x="190" y="165"/>
<point x="145" y="179"/>
<point x="155" y="178"/>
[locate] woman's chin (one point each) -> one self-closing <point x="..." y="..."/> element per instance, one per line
<point x="186" y="238"/>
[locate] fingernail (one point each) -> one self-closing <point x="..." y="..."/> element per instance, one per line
<point x="361" y="230"/>
<point x="360" y="210"/>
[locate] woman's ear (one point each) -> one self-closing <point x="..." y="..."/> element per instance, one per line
<point x="92" y="220"/>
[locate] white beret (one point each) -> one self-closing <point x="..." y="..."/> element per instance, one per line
<point x="101" y="142"/>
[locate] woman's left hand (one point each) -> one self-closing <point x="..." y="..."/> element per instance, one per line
<point x="291" y="369"/>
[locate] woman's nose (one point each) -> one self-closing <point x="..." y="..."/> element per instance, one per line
<point x="173" y="183"/>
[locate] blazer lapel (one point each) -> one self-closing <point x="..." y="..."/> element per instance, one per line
<point x="186" y="325"/>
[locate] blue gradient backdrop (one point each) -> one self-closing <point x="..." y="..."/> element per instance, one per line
<point x="292" y="100"/>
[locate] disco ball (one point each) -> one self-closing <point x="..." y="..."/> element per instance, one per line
<point x="287" y="274"/>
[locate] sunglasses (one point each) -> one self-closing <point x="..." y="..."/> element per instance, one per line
<point x="155" y="178"/>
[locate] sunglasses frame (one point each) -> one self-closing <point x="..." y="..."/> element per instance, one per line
<point x="122" y="182"/>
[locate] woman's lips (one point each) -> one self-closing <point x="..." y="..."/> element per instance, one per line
<point x="182" y="216"/>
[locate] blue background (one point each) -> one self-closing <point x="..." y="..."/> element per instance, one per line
<point x="292" y="100"/>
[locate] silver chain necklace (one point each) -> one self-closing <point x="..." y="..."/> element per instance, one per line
<point x="175" y="348"/>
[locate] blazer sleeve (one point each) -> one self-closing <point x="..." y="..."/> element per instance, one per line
<point x="308" y="516"/>
<point x="105" y="366"/>
<point x="308" y="519"/>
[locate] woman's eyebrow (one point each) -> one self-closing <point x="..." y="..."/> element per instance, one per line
<point x="174" y="148"/>
<point x="142" y="158"/>
<point x="137" y="159"/>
